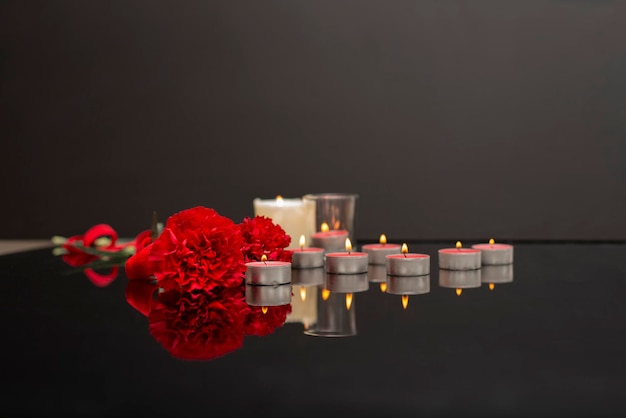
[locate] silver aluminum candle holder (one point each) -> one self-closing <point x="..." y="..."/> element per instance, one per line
<point x="268" y="272"/>
<point x="459" y="259"/>
<point x="346" y="263"/>
<point x="268" y="295"/>
<point x="308" y="277"/>
<point x="377" y="273"/>
<point x="459" y="279"/>
<point x="346" y="283"/>
<point x="305" y="258"/>
<point x="495" y="254"/>
<point x="497" y="273"/>
<point x="408" y="285"/>
<point x="377" y="253"/>
<point x="409" y="264"/>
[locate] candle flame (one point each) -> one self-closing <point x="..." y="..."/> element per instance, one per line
<point x="405" y="301"/>
<point x="348" y="301"/>
<point x="264" y="258"/>
<point x="302" y="241"/>
<point x="492" y="241"/>
<point x="459" y="291"/>
<point x="336" y="225"/>
<point x="325" y="294"/>
<point x="279" y="200"/>
<point x="348" y="245"/>
<point x="383" y="287"/>
<point x="264" y="309"/>
<point x="459" y="245"/>
<point x="303" y="293"/>
<point x="324" y="227"/>
<point x="405" y="248"/>
<point x="491" y="286"/>
<point x="383" y="239"/>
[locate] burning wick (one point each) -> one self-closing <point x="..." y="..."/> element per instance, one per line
<point x="459" y="291"/>
<point x="348" y="245"/>
<point x="491" y="286"/>
<point x="264" y="309"/>
<point x="405" y="301"/>
<point x="348" y="301"/>
<point x="491" y="241"/>
<point x="324" y="227"/>
<point x="264" y="258"/>
<point x="383" y="287"/>
<point x="325" y="294"/>
<point x="405" y="249"/>
<point x="383" y="239"/>
<point x="459" y="245"/>
<point x="302" y="241"/>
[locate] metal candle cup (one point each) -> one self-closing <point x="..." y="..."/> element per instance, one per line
<point x="495" y="254"/>
<point x="330" y="240"/>
<point x="346" y="263"/>
<point x="459" y="259"/>
<point x="378" y="252"/>
<point x="408" y="285"/>
<point x="346" y="283"/>
<point x="268" y="272"/>
<point x="268" y="295"/>
<point x="305" y="258"/>
<point x="409" y="264"/>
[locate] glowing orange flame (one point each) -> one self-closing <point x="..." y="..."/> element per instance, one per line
<point x="264" y="258"/>
<point x="303" y="293"/>
<point x="348" y="300"/>
<point x="459" y="291"/>
<point x="325" y="294"/>
<point x="302" y="241"/>
<point x="279" y="199"/>
<point x="348" y="245"/>
<point x="336" y="225"/>
<point x="491" y="286"/>
<point x="383" y="239"/>
<point x="459" y="245"/>
<point x="324" y="227"/>
<point x="492" y="241"/>
<point x="383" y="287"/>
<point x="264" y="309"/>
<point x="405" y="248"/>
<point x="405" y="301"/>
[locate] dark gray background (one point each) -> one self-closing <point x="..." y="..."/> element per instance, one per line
<point x="450" y="119"/>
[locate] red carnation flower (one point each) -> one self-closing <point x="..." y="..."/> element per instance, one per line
<point x="259" y="323"/>
<point x="262" y="236"/>
<point x="199" y="325"/>
<point x="197" y="250"/>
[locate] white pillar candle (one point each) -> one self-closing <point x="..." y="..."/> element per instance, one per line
<point x="348" y="262"/>
<point x="294" y="215"/>
<point x="495" y="254"/>
<point x="307" y="257"/>
<point x="378" y="252"/>
<point x="268" y="295"/>
<point x="408" y="264"/>
<point x="459" y="258"/>
<point x="266" y="272"/>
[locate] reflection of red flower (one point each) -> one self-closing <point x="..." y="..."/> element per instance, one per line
<point x="199" y="325"/>
<point x="76" y="257"/>
<point x="197" y="250"/>
<point x="262" y="236"/>
<point x="259" y="323"/>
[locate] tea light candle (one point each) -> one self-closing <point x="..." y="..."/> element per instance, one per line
<point x="494" y="254"/>
<point x="329" y="240"/>
<point x="378" y="252"/>
<point x="459" y="258"/>
<point x="295" y="216"/>
<point x="408" y="264"/>
<point x="266" y="272"/>
<point x="348" y="262"/>
<point x="310" y="257"/>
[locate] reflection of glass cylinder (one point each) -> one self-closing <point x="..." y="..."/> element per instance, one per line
<point x="408" y="285"/>
<point x="268" y="295"/>
<point x="334" y="319"/>
<point x="459" y="279"/>
<point x="497" y="273"/>
<point x="335" y="209"/>
<point x="304" y="305"/>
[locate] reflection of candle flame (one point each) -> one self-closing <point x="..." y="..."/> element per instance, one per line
<point x="383" y="287"/>
<point x="405" y="249"/>
<point x="491" y="286"/>
<point x="348" y="300"/>
<point x="459" y="291"/>
<point x="264" y="309"/>
<point x="348" y="245"/>
<point x="492" y="241"/>
<point x="303" y="293"/>
<point x="325" y="294"/>
<point x="302" y="241"/>
<point x="405" y="301"/>
<point x="324" y="227"/>
<point x="383" y="239"/>
<point x="336" y="225"/>
<point x="459" y="245"/>
<point x="264" y="258"/>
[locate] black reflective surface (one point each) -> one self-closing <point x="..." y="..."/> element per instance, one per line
<point x="550" y="343"/>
